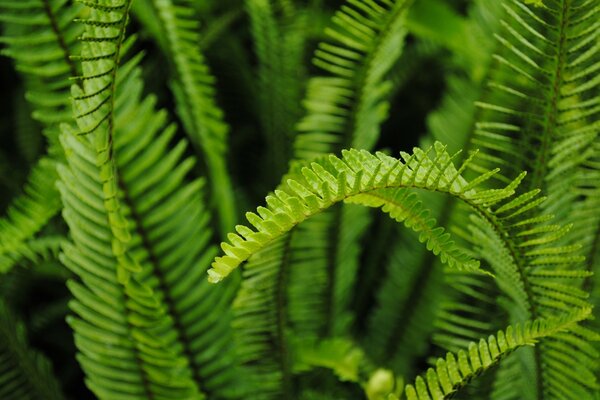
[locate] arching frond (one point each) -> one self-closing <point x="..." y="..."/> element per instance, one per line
<point x="24" y="373"/>
<point x="361" y="174"/>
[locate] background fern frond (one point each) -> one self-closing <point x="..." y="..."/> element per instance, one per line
<point x="346" y="108"/>
<point x="24" y="372"/>
<point x="193" y="87"/>
<point x="279" y="34"/>
<point x="40" y="38"/>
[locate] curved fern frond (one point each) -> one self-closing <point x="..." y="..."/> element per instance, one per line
<point x="456" y="370"/>
<point x="346" y="108"/>
<point x="24" y="373"/>
<point x="359" y="173"/>
<point x="193" y="86"/>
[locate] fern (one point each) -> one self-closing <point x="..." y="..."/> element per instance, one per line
<point x="194" y="92"/>
<point x="455" y="371"/>
<point x="40" y="38"/>
<point x="550" y="108"/>
<point x="333" y="299"/>
<point x="279" y="46"/>
<point x="171" y="357"/>
<point x="346" y="108"/>
<point x="359" y="177"/>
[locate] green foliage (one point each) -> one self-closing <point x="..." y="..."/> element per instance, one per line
<point x="24" y="373"/>
<point x="155" y="124"/>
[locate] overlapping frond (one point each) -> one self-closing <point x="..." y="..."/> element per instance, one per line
<point x="402" y="322"/>
<point x="193" y="86"/>
<point x="24" y="373"/>
<point x="41" y="37"/>
<point x="160" y="319"/>
<point x="346" y="108"/>
<point x="539" y="276"/>
<point x="456" y="370"/>
<point x="140" y="239"/>
<point x="142" y="360"/>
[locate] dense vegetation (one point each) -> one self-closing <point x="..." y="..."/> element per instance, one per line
<point x="136" y="133"/>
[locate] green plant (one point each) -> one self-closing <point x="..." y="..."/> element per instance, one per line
<point x="320" y="296"/>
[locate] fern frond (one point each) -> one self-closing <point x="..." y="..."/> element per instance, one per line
<point x="346" y="179"/>
<point x="550" y="107"/>
<point x="260" y="323"/>
<point x="279" y="34"/>
<point x="28" y="214"/>
<point x="457" y="370"/>
<point x="346" y="108"/>
<point x="193" y="86"/>
<point x="128" y="228"/>
<point x="401" y="324"/>
<point x="32" y="251"/>
<point x="24" y="373"/>
<point x="537" y="274"/>
<point x="160" y="325"/>
<point x="41" y="38"/>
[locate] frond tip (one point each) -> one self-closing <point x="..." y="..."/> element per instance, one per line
<point x="457" y="370"/>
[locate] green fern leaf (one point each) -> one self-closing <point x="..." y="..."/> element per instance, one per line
<point x="356" y="173"/>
